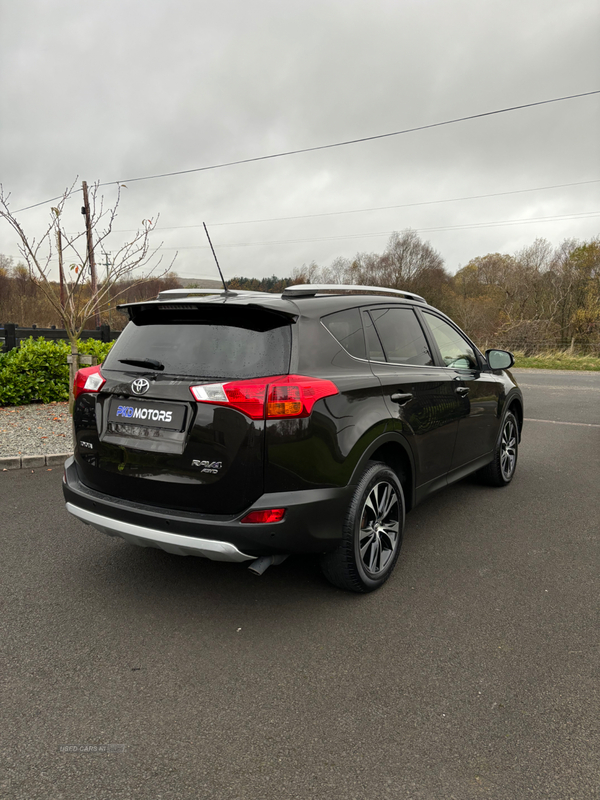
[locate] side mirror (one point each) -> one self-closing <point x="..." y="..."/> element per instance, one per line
<point x="499" y="359"/>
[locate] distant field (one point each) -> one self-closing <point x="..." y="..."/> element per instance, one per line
<point x="558" y="360"/>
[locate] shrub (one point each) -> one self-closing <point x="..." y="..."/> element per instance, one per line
<point x="93" y="347"/>
<point x="37" y="371"/>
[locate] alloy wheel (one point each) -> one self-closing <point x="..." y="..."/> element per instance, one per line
<point x="379" y="527"/>
<point x="508" y="449"/>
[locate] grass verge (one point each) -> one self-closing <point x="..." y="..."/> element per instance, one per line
<point x="557" y="360"/>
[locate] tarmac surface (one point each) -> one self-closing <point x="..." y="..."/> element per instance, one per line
<point x="473" y="673"/>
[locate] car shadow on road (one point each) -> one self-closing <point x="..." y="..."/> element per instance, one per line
<point x="134" y="574"/>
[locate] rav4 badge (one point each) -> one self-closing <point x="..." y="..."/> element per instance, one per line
<point x="208" y="466"/>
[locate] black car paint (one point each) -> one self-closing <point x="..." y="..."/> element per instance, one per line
<point x="307" y="465"/>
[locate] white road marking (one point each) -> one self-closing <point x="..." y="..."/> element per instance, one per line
<point x="556" y="422"/>
<point x="556" y="386"/>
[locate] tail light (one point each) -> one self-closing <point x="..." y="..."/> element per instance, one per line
<point x="279" y="397"/>
<point x="88" y="379"/>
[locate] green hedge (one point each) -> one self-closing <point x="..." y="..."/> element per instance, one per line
<point x="37" y="371"/>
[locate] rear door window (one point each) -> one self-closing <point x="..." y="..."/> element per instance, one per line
<point x="402" y="337"/>
<point x="374" y="348"/>
<point x="236" y="343"/>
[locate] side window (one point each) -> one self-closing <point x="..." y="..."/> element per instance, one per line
<point x="456" y="351"/>
<point x="347" y="329"/>
<point x="402" y="337"/>
<point x="374" y="351"/>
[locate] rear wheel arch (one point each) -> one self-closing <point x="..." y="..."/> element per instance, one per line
<point x="515" y="407"/>
<point x="392" y="451"/>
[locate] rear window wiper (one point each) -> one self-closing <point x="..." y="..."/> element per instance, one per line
<point x="142" y="362"/>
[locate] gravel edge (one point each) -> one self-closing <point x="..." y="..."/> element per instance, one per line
<point x="35" y="435"/>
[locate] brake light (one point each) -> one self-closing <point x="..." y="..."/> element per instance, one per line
<point x="279" y="397"/>
<point x="88" y="379"/>
<point x="270" y="515"/>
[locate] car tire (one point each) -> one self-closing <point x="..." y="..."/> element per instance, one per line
<point x="372" y="533"/>
<point x="501" y="469"/>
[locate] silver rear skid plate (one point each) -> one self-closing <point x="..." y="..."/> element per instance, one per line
<point x="150" y="537"/>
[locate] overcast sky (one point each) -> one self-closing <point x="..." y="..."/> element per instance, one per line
<point x="120" y="89"/>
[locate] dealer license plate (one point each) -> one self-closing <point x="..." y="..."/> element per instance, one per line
<point x="147" y="413"/>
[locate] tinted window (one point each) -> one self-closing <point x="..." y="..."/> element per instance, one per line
<point x="205" y="348"/>
<point x="456" y="351"/>
<point x="346" y="327"/>
<point x="373" y="344"/>
<point x="401" y="336"/>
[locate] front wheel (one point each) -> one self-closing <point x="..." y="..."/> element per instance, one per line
<point x="500" y="471"/>
<point x="372" y="533"/>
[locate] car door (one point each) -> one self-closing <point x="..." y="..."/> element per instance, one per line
<point x="420" y="395"/>
<point x="480" y="393"/>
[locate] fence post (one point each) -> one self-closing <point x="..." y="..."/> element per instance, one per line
<point x="105" y="333"/>
<point x="10" y="336"/>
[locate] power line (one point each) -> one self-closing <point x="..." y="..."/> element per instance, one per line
<point x="405" y="205"/>
<point x="331" y="145"/>
<point x="469" y="226"/>
<point x="373" y="208"/>
<point x="497" y="223"/>
<point x="353" y="141"/>
<point x="472" y="226"/>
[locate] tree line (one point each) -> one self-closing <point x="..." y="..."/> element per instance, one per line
<point x="22" y="301"/>
<point x="542" y="297"/>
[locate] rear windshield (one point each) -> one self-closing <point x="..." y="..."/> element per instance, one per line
<point x="230" y="344"/>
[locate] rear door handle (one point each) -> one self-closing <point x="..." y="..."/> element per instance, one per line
<point x="462" y="390"/>
<point x="401" y="399"/>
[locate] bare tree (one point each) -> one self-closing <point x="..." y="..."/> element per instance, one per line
<point x="406" y="258"/>
<point x="308" y="273"/>
<point x="338" y="272"/>
<point x="72" y="298"/>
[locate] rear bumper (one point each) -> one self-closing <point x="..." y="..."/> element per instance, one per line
<point x="312" y="523"/>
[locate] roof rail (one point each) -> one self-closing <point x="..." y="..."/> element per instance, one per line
<point x="310" y="290"/>
<point x="190" y="294"/>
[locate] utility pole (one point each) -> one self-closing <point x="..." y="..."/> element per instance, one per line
<point x="90" y="247"/>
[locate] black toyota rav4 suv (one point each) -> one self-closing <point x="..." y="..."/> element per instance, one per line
<point x="244" y="426"/>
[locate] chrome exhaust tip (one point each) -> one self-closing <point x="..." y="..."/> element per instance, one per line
<point x="261" y="564"/>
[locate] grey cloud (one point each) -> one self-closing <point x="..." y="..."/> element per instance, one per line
<point x="121" y="89"/>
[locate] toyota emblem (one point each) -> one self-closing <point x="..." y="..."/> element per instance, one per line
<point x="140" y="386"/>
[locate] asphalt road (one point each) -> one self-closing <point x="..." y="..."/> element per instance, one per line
<point x="564" y="396"/>
<point x="473" y="673"/>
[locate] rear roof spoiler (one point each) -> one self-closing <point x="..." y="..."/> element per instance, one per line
<point x="184" y="300"/>
<point x="192" y="294"/>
